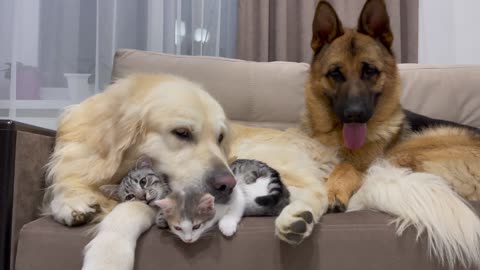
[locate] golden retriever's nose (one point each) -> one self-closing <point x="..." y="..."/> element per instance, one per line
<point x="221" y="183"/>
<point x="224" y="182"/>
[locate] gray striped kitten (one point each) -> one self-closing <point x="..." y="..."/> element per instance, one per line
<point x="140" y="184"/>
<point x="265" y="194"/>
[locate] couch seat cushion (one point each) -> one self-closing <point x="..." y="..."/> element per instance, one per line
<point x="357" y="240"/>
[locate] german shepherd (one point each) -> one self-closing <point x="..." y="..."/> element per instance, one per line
<point x="353" y="103"/>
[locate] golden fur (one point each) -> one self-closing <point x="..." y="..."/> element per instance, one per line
<point x="450" y="152"/>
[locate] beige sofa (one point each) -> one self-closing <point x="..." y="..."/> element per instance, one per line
<point x="263" y="94"/>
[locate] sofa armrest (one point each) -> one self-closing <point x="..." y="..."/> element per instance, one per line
<point x="24" y="151"/>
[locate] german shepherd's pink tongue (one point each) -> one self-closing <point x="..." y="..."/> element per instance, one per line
<point x="354" y="135"/>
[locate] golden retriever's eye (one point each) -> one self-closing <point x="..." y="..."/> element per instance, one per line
<point x="183" y="134"/>
<point x="220" y="138"/>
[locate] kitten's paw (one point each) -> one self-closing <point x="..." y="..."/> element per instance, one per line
<point x="228" y="226"/>
<point x="161" y="222"/>
<point x="74" y="211"/>
<point x="295" y="223"/>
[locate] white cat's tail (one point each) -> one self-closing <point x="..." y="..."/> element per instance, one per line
<point x="426" y="202"/>
<point x="116" y="237"/>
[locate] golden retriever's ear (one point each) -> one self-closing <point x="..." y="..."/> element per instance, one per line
<point x="326" y="26"/>
<point x="117" y="133"/>
<point x="374" y="22"/>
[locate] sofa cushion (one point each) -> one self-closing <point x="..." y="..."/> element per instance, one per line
<point x="356" y="240"/>
<point x="448" y="92"/>
<point x="269" y="93"/>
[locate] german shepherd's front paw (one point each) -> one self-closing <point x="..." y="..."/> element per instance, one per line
<point x="295" y="223"/>
<point x="337" y="202"/>
<point x="342" y="183"/>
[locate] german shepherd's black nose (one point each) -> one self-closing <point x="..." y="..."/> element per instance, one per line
<point x="355" y="113"/>
<point x="356" y="109"/>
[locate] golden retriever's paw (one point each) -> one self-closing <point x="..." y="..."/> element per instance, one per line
<point x="295" y="223"/>
<point x="337" y="202"/>
<point x="74" y="211"/>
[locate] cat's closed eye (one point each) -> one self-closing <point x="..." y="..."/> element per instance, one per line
<point x="129" y="197"/>
<point x="177" y="228"/>
<point x="196" y="227"/>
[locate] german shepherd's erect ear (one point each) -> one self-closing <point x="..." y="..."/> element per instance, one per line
<point x="326" y="26"/>
<point x="374" y="22"/>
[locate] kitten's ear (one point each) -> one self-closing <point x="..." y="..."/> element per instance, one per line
<point x="374" y="22"/>
<point x="206" y="204"/>
<point x="144" y="162"/>
<point x="326" y="26"/>
<point x="167" y="205"/>
<point x="111" y="191"/>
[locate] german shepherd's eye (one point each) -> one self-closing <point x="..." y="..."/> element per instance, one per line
<point x="336" y="75"/>
<point x="183" y="134"/>
<point x="369" y="71"/>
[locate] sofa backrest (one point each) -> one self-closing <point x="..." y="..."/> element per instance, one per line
<point x="448" y="92"/>
<point x="270" y="94"/>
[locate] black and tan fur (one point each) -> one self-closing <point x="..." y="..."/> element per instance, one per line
<point x="356" y="67"/>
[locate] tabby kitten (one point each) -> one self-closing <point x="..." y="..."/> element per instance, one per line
<point x="265" y="194"/>
<point x="140" y="184"/>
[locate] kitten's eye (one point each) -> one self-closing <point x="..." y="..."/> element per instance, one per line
<point x="177" y="228"/>
<point x="196" y="227"/>
<point x="143" y="182"/>
<point x="183" y="134"/>
<point x="129" y="197"/>
<point x="220" y="138"/>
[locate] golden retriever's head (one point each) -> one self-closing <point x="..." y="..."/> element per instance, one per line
<point x="183" y="129"/>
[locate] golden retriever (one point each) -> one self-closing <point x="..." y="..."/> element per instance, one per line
<point x="171" y="120"/>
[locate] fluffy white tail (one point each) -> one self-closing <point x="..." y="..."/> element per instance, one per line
<point x="426" y="202"/>
<point x="114" y="244"/>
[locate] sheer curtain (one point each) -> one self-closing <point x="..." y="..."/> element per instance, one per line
<point x="58" y="52"/>
<point x="449" y="32"/>
<point x="281" y="29"/>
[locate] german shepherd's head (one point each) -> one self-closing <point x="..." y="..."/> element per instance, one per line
<point x="354" y="82"/>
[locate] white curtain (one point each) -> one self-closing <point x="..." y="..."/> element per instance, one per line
<point x="448" y="32"/>
<point x="57" y="52"/>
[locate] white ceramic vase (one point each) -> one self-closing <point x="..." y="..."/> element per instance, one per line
<point x="78" y="87"/>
